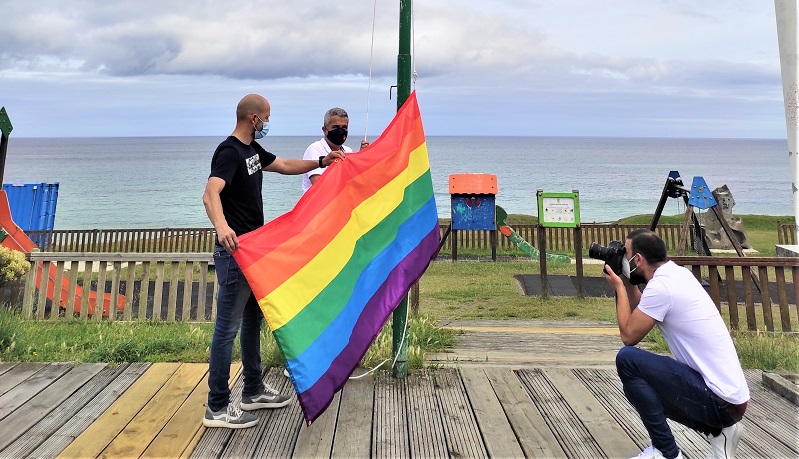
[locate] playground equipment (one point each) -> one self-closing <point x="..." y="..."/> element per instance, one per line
<point x="522" y="244"/>
<point x="473" y="198"/>
<point x="14" y="238"/>
<point x="701" y="197"/>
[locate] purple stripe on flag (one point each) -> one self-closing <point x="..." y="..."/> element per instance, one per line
<point x="374" y="315"/>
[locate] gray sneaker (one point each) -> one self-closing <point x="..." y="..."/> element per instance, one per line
<point x="267" y="398"/>
<point x="229" y="417"/>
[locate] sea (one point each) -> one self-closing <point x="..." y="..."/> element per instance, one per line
<point x="158" y="182"/>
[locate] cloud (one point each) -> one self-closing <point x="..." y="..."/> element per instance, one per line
<point x="153" y="57"/>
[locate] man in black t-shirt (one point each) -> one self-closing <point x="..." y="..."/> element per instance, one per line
<point x="234" y="204"/>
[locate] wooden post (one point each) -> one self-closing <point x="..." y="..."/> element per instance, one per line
<point x="578" y="257"/>
<point x="542" y="258"/>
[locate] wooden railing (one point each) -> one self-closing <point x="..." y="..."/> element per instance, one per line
<point x="560" y="239"/>
<point x="176" y="240"/>
<point x="786" y="233"/>
<point x="186" y="240"/>
<point x="731" y="281"/>
<point x="159" y="286"/>
<point x="182" y="286"/>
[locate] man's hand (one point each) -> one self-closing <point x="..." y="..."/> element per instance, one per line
<point x="364" y="144"/>
<point x="227" y="237"/>
<point x="332" y="156"/>
<point x="613" y="279"/>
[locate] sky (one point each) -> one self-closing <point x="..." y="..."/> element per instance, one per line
<point x="614" y="68"/>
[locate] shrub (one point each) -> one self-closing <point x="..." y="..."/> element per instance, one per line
<point x="13" y="265"/>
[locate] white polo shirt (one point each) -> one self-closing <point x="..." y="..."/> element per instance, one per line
<point x="314" y="151"/>
<point x="694" y="330"/>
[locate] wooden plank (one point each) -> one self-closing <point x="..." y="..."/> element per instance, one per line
<point x="245" y="442"/>
<point x="460" y="426"/>
<point x="49" y="436"/>
<point x="535" y="438"/>
<point x="749" y="300"/>
<point x="143" y="428"/>
<point x="357" y="399"/>
<point x="389" y="431"/>
<point x="732" y="297"/>
<point x="73" y="285"/>
<point x="770" y="422"/>
<point x="104" y="429"/>
<point x="144" y="291"/>
<point x="188" y="283"/>
<point x="213" y="441"/>
<point x="15" y="375"/>
<point x="159" y="290"/>
<point x="20" y="394"/>
<point x="30" y="290"/>
<point x="113" y="307"/>
<point x="280" y="432"/>
<point x="130" y="282"/>
<point x="58" y="283"/>
<point x="563" y="422"/>
<point x="99" y="310"/>
<point x="600" y="424"/>
<point x="4" y="367"/>
<point x="202" y="287"/>
<point x="768" y="318"/>
<point x="173" y="292"/>
<point x="87" y="287"/>
<point x="785" y="310"/>
<point x="425" y="427"/>
<point x="40" y="405"/>
<point x="498" y="435"/>
<point x="316" y="440"/>
<point x="181" y="428"/>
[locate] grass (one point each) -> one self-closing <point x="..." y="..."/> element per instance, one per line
<point x="154" y="341"/>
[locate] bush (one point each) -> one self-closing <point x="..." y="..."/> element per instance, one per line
<point x="13" y="265"/>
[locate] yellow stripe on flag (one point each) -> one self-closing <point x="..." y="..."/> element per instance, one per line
<point x="288" y="299"/>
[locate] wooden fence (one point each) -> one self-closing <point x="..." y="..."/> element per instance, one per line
<point x="559" y="239"/>
<point x="731" y="281"/>
<point x="160" y="286"/>
<point x="786" y="233"/>
<point x="173" y="240"/>
<point x="195" y="240"/>
<point x="182" y="286"/>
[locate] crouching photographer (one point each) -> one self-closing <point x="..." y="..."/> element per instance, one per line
<point x="702" y="386"/>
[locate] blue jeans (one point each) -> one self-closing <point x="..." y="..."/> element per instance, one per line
<point x="236" y="308"/>
<point x="660" y="387"/>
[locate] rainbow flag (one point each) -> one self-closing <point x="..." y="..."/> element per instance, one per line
<point x="328" y="273"/>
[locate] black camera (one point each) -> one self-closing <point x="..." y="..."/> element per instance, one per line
<point x="611" y="255"/>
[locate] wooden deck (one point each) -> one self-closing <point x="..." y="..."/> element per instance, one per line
<point x="143" y="410"/>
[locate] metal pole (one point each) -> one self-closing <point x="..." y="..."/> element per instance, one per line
<point x="787" y="14"/>
<point x="5" y="130"/>
<point x="400" y="317"/>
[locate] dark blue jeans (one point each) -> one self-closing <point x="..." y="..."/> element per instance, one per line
<point x="660" y="387"/>
<point x="236" y="308"/>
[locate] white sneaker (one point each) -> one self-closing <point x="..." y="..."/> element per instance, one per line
<point x="654" y="453"/>
<point x="723" y="446"/>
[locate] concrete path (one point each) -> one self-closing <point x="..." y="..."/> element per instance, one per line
<point x="519" y="343"/>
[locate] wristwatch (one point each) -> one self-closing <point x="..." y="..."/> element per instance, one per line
<point x="321" y="165"/>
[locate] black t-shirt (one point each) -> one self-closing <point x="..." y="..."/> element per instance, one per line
<point x="240" y="166"/>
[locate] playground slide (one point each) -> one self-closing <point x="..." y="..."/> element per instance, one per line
<point x="16" y="239"/>
<point x="523" y="245"/>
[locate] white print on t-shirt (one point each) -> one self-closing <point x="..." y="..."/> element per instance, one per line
<point x="253" y="164"/>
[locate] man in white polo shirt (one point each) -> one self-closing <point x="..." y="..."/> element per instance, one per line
<point x="335" y="129"/>
<point x="703" y="386"/>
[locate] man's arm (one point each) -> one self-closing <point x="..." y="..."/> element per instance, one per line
<point x="633" y="324"/>
<point x="301" y="166"/>
<point x="213" y="208"/>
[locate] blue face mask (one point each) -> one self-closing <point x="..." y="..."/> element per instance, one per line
<point x="264" y="129"/>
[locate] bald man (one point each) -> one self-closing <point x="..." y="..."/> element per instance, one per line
<point x="234" y="204"/>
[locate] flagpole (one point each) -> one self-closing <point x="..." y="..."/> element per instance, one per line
<point x="400" y="316"/>
<point x="787" y="12"/>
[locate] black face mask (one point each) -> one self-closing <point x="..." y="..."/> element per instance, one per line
<point x="337" y="136"/>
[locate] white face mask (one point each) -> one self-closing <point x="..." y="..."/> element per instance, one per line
<point x="625" y="266"/>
